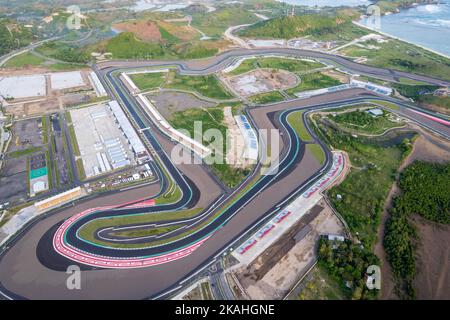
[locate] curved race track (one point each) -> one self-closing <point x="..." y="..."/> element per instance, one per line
<point x="22" y="275"/>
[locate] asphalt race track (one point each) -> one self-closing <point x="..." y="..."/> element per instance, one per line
<point x="30" y="268"/>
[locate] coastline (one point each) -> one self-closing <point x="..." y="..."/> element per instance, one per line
<point x="401" y="39"/>
<point x="410" y="6"/>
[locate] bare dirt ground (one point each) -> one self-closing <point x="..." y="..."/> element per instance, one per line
<point x="432" y="280"/>
<point x="262" y="80"/>
<point x="168" y="102"/>
<point x="432" y="259"/>
<point x="184" y="33"/>
<point x="54" y="100"/>
<point x="8" y="72"/>
<point x="275" y="271"/>
<point x="435" y="108"/>
<point x="144" y="30"/>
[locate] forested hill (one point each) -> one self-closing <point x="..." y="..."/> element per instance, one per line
<point x="13" y="36"/>
<point x="296" y="26"/>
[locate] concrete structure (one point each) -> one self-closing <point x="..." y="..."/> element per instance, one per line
<point x="66" y="80"/>
<point x="16" y="223"/>
<point x="97" y="85"/>
<point x="352" y="85"/>
<point x="129" y="83"/>
<point x="59" y="199"/>
<point x="250" y="138"/>
<point x="267" y="43"/>
<point x="376" y="112"/>
<point x="105" y="142"/>
<point x="130" y="134"/>
<point x="148" y="71"/>
<point x="372" y="87"/>
<point x="20" y="87"/>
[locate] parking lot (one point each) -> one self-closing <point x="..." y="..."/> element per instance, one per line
<point x="13" y="181"/>
<point x="26" y="134"/>
<point x="59" y="154"/>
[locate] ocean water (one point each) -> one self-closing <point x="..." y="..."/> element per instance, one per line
<point x="328" y="3"/>
<point x="426" y="25"/>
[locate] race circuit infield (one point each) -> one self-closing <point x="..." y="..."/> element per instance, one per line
<point x="23" y="275"/>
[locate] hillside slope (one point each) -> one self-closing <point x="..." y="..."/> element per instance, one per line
<point x="298" y="26"/>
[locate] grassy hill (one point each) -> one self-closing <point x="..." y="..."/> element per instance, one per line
<point x="318" y="26"/>
<point x="393" y="5"/>
<point x="215" y="23"/>
<point x="126" y="46"/>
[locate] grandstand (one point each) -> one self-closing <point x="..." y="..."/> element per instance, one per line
<point x="97" y="85"/>
<point x="129" y="83"/>
<point x="130" y="134"/>
<point x="352" y="85"/>
<point x="250" y="138"/>
<point x="59" y="199"/>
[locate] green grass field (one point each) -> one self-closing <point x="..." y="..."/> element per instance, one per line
<point x="363" y="123"/>
<point x="313" y="81"/>
<point x="88" y="230"/>
<point x="80" y="169"/>
<point x="402" y="56"/>
<point x="44" y="127"/>
<point x="145" y="232"/>
<point x="365" y="189"/>
<point x="321" y="287"/>
<point x="317" y="152"/>
<point x="215" y="23"/>
<point x="49" y="170"/>
<point x="65" y="66"/>
<point x="315" y="26"/>
<point x="171" y="196"/>
<point x="126" y="46"/>
<point x="207" y="86"/>
<point x="265" y="98"/>
<point x="28" y="59"/>
<point x="386" y="104"/>
<point x="292" y="65"/>
<point x="149" y="81"/>
<point x="73" y="140"/>
<point x="296" y="121"/>
<point x="20" y="153"/>
<point x="24" y="60"/>
<point x="206" y="291"/>
<point x="441" y="102"/>
<point x="212" y="118"/>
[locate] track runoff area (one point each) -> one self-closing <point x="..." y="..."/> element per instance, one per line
<point x="67" y="242"/>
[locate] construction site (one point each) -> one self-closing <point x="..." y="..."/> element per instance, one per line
<point x="261" y="81"/>
<point x="27" y="93"/>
